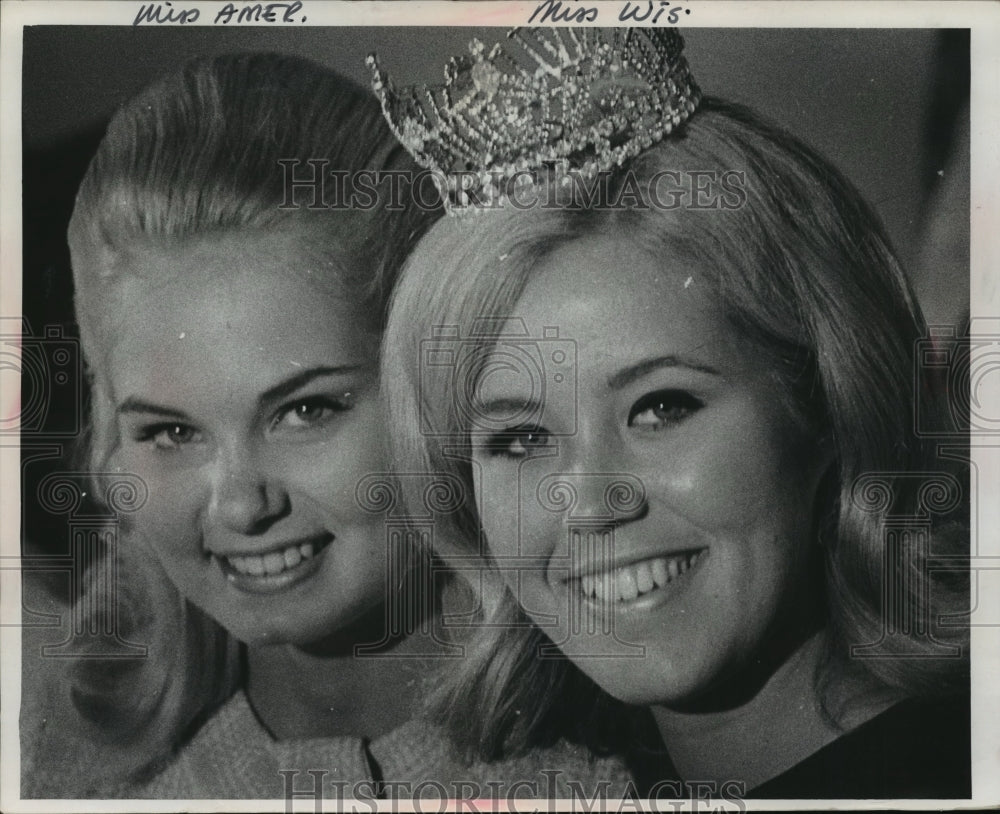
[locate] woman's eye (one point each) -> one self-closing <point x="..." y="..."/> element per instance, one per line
<point x="170" y="436"/>
<point x="664" y="408"/>
<point x="309" y="412"/>
<point x="520" y="442"/>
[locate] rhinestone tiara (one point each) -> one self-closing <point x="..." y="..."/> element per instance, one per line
<point x="553" y="100"/>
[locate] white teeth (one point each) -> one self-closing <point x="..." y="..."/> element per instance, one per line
<point x="599" y="587"/>
<point x="626" y="584"/>
<point x="292" y="557"/>
<point x="274" y="563"/>
<point x="644" y="577"/>
<point x="257" y="565"/>
<point x="629" y="582"/>
<point x="660" y="574"/>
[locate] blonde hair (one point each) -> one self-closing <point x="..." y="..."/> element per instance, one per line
<point x="803" y="269"/>
<point x="197" y="154"/>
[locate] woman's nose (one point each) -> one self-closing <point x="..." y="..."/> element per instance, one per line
<point x="245" y="499"/>
<point x="594" y="498"/>
<point x="594" y="483"/>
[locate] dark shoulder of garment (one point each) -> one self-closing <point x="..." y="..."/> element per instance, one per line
<point x="918" y="749"/>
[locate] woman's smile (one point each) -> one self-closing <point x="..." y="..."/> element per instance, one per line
<point x="253" y="439"/>
<point x="277" y="569"/>
<point x="642" y="584"/>
<point x="695" y="570"/>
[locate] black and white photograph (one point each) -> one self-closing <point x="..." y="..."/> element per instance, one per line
<point x="492" y="406"/>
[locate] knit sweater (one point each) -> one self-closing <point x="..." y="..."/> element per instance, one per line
<point x="233" y="757"/>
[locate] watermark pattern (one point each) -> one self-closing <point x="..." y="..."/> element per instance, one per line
<point x="961" y="367"/>
<point x="50" y="368"/>
<point x="906" y="562"/>
<point x="96" y="622"/>
<point x="982" y="567"/>
<point x="590" y="628"/>
<point x="545" y="364"/>
<point x="479" y="793"/>
<point x="313" y="185"/>
<point x="409" y="539"/>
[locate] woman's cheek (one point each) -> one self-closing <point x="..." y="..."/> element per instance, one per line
<point x="171" y="516"/>
<point x="721" y="482"/>
<point x="329" y="475"/>
<point x="332" y="468"/>
<point x="501" y="511"/>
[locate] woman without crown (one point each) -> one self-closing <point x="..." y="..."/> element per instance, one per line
<point x="232" y="342"/>
<point x="687" y="510"/>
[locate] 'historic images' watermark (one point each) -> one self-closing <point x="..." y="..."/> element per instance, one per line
<point x="313" y="185"/>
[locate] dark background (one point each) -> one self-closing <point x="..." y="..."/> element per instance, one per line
<point x="889" y="107"/>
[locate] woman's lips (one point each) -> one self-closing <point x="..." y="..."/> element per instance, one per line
<point x="629" y="583"/>
<point x="276" y="570"/>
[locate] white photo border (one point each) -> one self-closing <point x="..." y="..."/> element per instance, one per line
<point x="983" y="20"/>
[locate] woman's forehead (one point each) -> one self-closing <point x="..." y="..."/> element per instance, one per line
<point x="611" y="306"/>
<point x="262" y="283"/>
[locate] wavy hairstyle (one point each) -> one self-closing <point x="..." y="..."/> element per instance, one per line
<point x="197" y="154"/>
<point x="803" y="269"/>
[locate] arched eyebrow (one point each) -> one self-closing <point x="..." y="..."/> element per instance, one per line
<point x="134" y="404"/>
<point x="283" y="389"/>
<point x="633" y="373"/>
<point x="507" y="406"/>
<point x="291" y="384"/>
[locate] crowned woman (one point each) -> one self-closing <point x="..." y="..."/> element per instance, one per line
<point x="686" y="431"/>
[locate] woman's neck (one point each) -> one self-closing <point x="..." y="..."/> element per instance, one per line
<point x="326" y="690"/>
<point x="777" y="728"/>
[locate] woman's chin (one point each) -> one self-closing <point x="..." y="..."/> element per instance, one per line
<point x="653" y="689"/>
<point x="278" y="633"/>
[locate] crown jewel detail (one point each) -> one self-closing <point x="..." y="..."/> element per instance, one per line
<point x="585" y="100"/>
